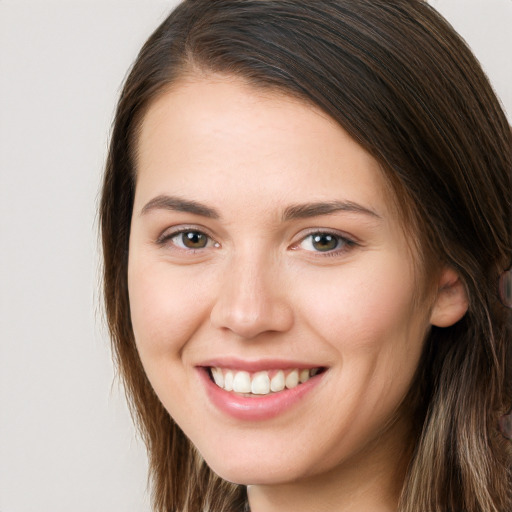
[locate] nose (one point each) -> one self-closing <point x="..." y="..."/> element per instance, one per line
<point x="251" y="299"/>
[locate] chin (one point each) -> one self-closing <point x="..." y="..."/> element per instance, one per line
<point x="255" y="470"/>
<point x="251" y="476"/>
<point x="259" y="470"/>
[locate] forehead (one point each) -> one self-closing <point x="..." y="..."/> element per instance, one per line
<point x="213" y="136"/>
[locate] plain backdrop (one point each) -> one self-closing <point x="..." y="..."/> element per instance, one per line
<point x="66" y="438"/>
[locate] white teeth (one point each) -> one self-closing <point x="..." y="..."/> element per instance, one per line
<point x="228" y="381"/>
<point x="277" y="382"/>
<point x="218" y="377"/>
<point x="292" y="379"/>
<point x="303" y="376"/>
<point x="260" y="384"/>
<point x="242" y="382"/>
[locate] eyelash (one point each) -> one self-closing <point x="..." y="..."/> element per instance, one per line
<point x="345" y="242"/>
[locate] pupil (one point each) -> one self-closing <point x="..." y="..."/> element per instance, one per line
<point x="325" y="242"/>
<point x="194" y="240"/>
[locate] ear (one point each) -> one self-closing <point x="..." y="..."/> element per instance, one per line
<point x="451" y="302"/>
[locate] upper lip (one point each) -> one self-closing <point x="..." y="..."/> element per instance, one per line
<point x="257" y="365"/>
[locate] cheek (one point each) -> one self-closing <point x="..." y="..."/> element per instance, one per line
<point x="359" y="302"/>
<point x="377" y="335"/>
<point x="166" y="308"/>
<point x="371" y="320"/>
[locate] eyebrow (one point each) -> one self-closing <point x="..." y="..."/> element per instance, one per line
<point x="164" y="202"/>
<point x="305" y="211"/>
<point x="298" y="211"/>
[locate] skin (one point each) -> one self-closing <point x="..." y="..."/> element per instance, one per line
<point x="260" y="289"/>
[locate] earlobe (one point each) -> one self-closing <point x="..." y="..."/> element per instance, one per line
<point x="451" y="302"/>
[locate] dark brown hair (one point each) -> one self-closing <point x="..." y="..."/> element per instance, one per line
<point x="405" y="86"/>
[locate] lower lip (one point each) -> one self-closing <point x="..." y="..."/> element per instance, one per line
<point x="257" y="408"/>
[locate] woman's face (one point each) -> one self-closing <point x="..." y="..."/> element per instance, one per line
<point x="264" y="255"/>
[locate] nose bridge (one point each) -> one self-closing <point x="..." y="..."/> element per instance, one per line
<point x="250" y="298"/>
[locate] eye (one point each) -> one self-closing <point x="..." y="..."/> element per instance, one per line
<point x="188" y="239"/>
<point x="325" y="242"/>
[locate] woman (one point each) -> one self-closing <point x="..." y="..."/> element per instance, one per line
<point x="305" y="214"/>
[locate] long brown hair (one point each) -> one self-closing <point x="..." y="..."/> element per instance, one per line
<point x="405" y="86"/>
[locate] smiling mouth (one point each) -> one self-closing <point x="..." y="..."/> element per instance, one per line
<point x="267" y="382"/>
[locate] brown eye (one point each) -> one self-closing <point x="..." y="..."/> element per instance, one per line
<point x="324" y="242"/>
<point x="192" y="240"/>
<point x="328" y="244"/>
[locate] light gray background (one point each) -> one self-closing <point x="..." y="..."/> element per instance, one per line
<point x="66" y="439"/>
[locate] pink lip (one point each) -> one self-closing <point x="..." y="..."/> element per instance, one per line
<point x="256" y="366"/>
<point x="258" y="408"/>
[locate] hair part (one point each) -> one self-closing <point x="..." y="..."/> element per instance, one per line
<point x="432" y="121"/>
